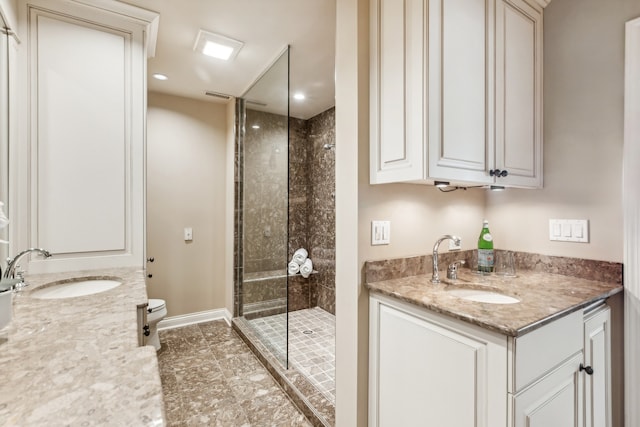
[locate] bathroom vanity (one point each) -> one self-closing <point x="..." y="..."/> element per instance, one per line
<point x="76" y="359"/>
<point x="438" y="358"/>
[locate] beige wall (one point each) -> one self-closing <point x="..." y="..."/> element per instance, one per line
<point x="186" y="179"/>
<point x="583" y="135"/>
<point x="583" y="102"/>
<point x="419" y="215"/>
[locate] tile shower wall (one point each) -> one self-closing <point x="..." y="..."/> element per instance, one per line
<point x="311" y="185"/>
<point x="299" y="198"/>
<point x="312" y="208"/>
<point x="322" y="209"/>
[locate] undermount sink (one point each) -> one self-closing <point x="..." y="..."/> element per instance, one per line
<point x="77" y="288"/>
<point x="480" y="295"/>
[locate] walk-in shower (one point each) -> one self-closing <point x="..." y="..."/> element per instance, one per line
<point x="285" y="201"/>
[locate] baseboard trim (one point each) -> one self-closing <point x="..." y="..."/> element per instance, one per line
<point x="194" y="318"/>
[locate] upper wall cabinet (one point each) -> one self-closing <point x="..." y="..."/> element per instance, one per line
<point x="86" y="68"/>
<point x="456" y="92"/>
<point x="519" y="93"/>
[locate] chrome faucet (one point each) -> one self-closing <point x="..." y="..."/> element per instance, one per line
<point x="11" y="263"/>
<point x="435" y="277"/>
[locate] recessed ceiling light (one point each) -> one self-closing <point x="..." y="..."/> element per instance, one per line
<point x="160" y="76"/>
<point x="299" y="96"/>
<point x="255" y="127"/>
<point x="217" y="46"/>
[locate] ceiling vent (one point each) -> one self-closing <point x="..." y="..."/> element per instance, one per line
<point x="217" y="95"/>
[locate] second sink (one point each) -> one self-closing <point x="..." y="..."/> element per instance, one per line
<point x="479" y="295"/>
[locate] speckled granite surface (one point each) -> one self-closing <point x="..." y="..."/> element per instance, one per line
<point x="543" y="297"/>
<point x="76" y="361"/>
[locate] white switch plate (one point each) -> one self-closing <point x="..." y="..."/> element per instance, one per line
<point x="188" y="234"/>
<point x="569" y="230"/>
<point x="380" y="233"/>
<point x="453" y="246"/>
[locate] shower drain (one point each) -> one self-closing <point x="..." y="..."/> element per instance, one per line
<point x="307" y="332"/>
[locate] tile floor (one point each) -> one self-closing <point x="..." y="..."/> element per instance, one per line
<point x="311" y="344"/>
<point x="211" y="378"/>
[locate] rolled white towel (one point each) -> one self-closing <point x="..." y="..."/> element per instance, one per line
<point x="300" y="256"/>
<point x="306" y="268"/>
<point x="293" y="268"/>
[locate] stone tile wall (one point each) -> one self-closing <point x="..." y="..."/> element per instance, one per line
<point x="261" y="200"/>
<point x="604" y="271"/>
<point x="322" y="209"/>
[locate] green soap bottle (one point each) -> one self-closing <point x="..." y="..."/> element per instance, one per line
<point x="485" y="249"/>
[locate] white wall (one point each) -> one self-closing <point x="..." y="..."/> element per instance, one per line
<point x="186" y="187"/>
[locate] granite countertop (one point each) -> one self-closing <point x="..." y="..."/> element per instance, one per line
<point x="543" y="297"/>
<point x="76" y="361"/>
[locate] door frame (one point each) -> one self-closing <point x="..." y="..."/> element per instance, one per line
<point x="631" y="210"/>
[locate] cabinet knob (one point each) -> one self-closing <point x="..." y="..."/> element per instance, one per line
<point x="149" y="276"/>
<point x="587" y="369"/>
<point x="498" y="173"/>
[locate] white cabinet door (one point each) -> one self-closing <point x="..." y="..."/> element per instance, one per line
<point x="432" y="371"/>
<point x="398" y="91"/>
<point x="597" y="356"/>
<point x="518" y="93"/>
<point x="461" y="90"/>
<point x="554" y="401"/>
<point x="456" y="92"/>
<point x="87" y="85"/>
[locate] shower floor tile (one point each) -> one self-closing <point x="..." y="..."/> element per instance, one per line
<point x="210" y="377"/>
<point x="311" y="344"/>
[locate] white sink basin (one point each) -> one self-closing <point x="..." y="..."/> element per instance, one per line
<point x="75" y="289"/>
<point x="479" y="295"/>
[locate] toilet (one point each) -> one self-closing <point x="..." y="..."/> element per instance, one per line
<point x="156" y="311"/>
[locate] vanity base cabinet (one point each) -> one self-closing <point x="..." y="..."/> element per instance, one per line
<point x="427" y="369"/>
<point x="433" y="370"/>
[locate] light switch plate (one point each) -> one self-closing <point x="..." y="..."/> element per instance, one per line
<point x="380" y="233"/>
<point x="453" y="246"/>
<point x="569" y="230"/>
<point x="188" y="234"/>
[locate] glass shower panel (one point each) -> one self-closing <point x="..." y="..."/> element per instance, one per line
<point x="265" y="182"/>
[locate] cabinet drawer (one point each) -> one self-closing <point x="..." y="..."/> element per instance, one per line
<point x="541" y="350"/>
